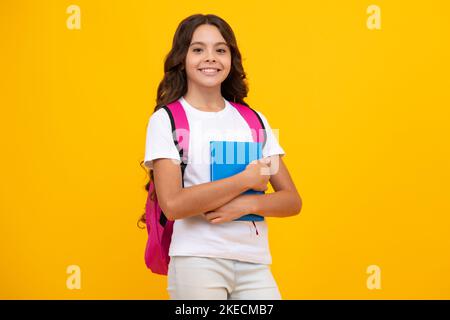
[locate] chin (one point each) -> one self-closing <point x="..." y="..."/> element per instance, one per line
<point x="209" y="84"/>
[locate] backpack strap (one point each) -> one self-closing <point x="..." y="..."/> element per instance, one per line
<point x="180" y="132"/>
<point x="254" y="121"/>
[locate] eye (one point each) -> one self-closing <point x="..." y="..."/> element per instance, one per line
<point x="218" y="50"/>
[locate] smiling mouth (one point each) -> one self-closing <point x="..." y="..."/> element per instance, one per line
<point x="209" y="70"/>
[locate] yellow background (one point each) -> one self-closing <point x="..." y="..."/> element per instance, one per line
<point x="363" y="117"/>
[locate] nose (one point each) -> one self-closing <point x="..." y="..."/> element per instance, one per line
<point x="210" y="56"/>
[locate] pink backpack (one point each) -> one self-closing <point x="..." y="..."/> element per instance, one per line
<point x="158" y="227"/>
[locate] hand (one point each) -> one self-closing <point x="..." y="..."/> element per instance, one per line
<point x="257" y="174"/>
<point x="234" y="209"/>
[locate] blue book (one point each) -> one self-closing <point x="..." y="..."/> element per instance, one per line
<point x="231" y="157"/>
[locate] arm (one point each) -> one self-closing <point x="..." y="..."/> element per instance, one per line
<point x="284" y="202"/>
<point x="177" y="202"/>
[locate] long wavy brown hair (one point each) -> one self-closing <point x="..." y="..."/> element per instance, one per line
<point x="174" y="83"/>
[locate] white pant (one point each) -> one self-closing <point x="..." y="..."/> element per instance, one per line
<point x="205" y="278"/>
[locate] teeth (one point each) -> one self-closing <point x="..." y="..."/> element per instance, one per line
<point x="209" y="70"/>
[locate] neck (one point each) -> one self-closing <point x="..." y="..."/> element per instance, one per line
<point x="205" y="99"/>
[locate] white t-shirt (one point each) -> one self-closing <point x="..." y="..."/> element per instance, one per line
<point x="195" y="236"/>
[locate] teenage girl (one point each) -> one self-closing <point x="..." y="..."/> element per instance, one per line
<point x="212" y="256"/>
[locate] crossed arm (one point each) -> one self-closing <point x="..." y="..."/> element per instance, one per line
<point x="284" y="202"/>
<point x="221" y="200"/>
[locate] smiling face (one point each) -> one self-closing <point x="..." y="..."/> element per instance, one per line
<point x="208" y="60"/>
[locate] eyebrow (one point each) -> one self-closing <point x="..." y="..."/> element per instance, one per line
<point x="202" y="43"/>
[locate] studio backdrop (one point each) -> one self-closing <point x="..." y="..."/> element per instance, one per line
<point x="358" y="91"/>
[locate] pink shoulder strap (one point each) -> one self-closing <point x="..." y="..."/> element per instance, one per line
<point x="253" y="120"/>
<point x="180" y="127"/>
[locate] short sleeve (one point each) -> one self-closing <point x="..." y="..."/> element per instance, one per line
<point x="272" y="146"/>
<point x="159" y="141"/>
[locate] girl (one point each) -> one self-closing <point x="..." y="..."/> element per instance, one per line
<point x="212" y="256"/>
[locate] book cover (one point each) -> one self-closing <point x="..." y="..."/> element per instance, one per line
<point x="231" y="157"/>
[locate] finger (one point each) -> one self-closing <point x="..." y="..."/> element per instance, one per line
<point x="262" y="162"/>
<point x="210" y="215"/>
<point x="216" y="220"/>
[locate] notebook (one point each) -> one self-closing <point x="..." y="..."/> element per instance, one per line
<point x="231" y="157"/>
